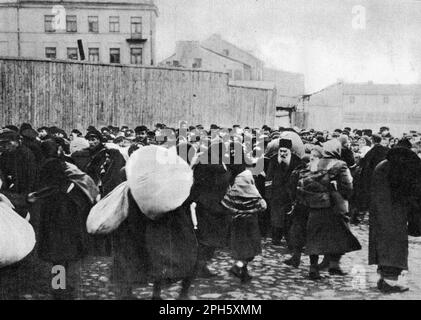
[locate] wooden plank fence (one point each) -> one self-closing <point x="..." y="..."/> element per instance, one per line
<point x="78" y="94"/>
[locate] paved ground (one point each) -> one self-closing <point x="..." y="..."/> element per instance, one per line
<point x="272" y="280"/>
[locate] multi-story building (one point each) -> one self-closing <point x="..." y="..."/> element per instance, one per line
<point x="243" y="69"/>
<point x="216" y="54"/>
<point x="365" y="106"/>
<point x="111" y="31"/>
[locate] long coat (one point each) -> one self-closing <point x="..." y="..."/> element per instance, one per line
<point x="62" y="233"/>
<point x="21" y="176"/>
<point x="327" y="230"/>
<point x="211" y="182"/>
<point x="388" y="231"/>
<point x="373" y="157"/>
<point x="147" y="251"/>
<point x="278" y="189"/>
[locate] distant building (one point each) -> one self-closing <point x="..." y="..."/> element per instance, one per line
<point x="216" y="54"/>
<point x="112" y="31"/>
<point x="243" y="69"/>
<point x="365" y="106"/>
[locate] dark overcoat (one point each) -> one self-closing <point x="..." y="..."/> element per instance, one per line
<point x="388" y="231"/>
<point x="147" y="251"/>
<point x="211" y="182"/>
<point x="278" y="189"/>
<point x="373" y="157"/>
<point x="62" y="231"/>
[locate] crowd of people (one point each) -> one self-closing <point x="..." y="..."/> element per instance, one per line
<point x="298" y="188"/>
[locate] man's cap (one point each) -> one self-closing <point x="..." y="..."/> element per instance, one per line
<point x="94" y="134"/>
<point x="285" y="143"/>
<point x="9" y="135"/>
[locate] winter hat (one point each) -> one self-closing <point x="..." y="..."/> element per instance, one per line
<point x="285" y="143"/>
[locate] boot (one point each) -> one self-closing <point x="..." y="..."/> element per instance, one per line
<point x="236" y="271"/>
<point x="204" y="272"/>
<point x="314" y="273"/>
<point x="337" y="272"/>
<point x="324" y="265"/>
<point x="334" y="268"/>
<point x="384" y="287"/>
<point x="294" y="261"/>
<point x="276" y="236"/>
<point x="246" y="277"/>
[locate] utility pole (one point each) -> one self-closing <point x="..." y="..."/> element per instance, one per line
<point x="18" y="24"/>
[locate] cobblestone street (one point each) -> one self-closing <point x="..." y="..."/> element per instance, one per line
<point x="272" y="280"/>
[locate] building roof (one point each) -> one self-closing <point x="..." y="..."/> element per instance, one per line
<point x="370" y="88"/>
<point x="268" y="85"/>
<point x="147" y="4"/>
<point x="219" y="38"/>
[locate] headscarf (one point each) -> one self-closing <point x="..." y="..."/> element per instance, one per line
<point x="332" y="149"/>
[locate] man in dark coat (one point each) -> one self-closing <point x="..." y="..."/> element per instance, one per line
<point x="20" y="171"/>
<point x="19" y="176"/>
<point x="394" y="207"/>
<point x="373" y="157"/>
<point x="277" y="192"/>
<point x="65" y="198"/>
<point x="103" y="166"/>
<point x="211" y="181"/>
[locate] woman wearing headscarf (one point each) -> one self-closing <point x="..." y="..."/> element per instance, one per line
<point x="394" y="214"/>
<point x="244" y="202"/>
<point x="325" y="192"/>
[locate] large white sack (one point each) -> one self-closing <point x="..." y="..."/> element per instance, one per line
<point x="159" y="180"/>
<point x="17" y="237"/>
<point x="107" y="215"/>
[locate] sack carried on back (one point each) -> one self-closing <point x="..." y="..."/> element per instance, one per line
<point x="17" y="237"/>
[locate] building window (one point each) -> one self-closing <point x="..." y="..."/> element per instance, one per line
<point x="50" y="52"/>
<point x="115" y="55"/>
<point x="247" y="73"/>
<point x="352" y="99"/>
<point x="72" y="54"/>
<point x="226" y="52"/>
<point x="114" y="24"/>
<point x="94" y="54"/>
<point x="93" y="24"/>
<point x="49" y="24"/>
<point x="136" y="55"/>
<point x="385" y="99"/>
<point x="71" y="24"/>
<point x="197" y="63"/>
<point x="136" y="26"/>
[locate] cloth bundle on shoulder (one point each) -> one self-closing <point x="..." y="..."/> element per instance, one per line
<point x="17" y="237"/>
<point x="243" y="196"/>
<point x="159" y="180"/>
<point x="107" y="215"/>
<point x="313" y="189"/>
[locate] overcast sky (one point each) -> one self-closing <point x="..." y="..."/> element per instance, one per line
<point x="321" y="38"/>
